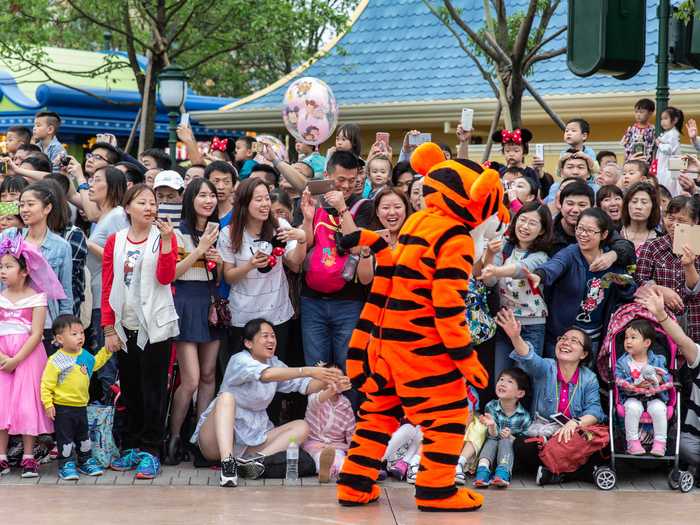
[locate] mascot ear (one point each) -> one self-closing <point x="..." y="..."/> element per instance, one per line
<point x="488" y="182"/>
<point x="426" y="156"/>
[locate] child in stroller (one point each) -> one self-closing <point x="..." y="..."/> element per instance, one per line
<point x="643" y="383"/>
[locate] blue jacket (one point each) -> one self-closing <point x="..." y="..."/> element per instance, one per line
<point x="568" y="270"/>
<point x="585" y="397"/>
<point x="624" y="371"/>
<point x="57" y="253"/>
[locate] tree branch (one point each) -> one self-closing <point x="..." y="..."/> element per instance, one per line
<point x="454" y="14"/>
<point x="131" y="52"/>
<point x="545" y="19"/>
<point x="210" y="31"/>
<point x="492" y="129"/>
<point x="99" y="23"/>
<point x="547" y="55"/>
<point x="520" y="45"/>
<point x="547" y="109"/>
<point x="173" y="10"/>
<point x="208" y="57"/>
<point x="543" y="43"/>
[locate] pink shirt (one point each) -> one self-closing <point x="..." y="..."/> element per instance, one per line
<point x="331" y="422"/>
<point x="564" y="402"/>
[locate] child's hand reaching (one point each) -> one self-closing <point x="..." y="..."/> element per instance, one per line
<point x="507" y="321"/>
<point x="51" y="412"/>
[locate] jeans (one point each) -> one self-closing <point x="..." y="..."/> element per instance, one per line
<point x="498" y="452"/>
<point x="327" y="325"/>
<point x="532" y="333"/>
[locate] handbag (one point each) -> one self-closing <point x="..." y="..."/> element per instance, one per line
<point x="560" y="457"/>
<point x="219" y="314"/>
<point x="101" y="430"/>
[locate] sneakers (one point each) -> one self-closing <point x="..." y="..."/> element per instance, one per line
<point x="501" y="477"/>
<point x="399" y="470"/>
<point x="635" y="448"/>
<point x="228" y="477"/>
<point x="325" y="463"/>
<point x="658" y="448"/>
<point x="148" y="467"/>
<point x="129" y="460"/>
<point x="68" y="472"/>
<point x="91" y="468"/>
<point x="250" y="468"/>
<point x="460" y="478"/>
<point x="546" y="477"/>
<point x="412" y="473"/>
<point x="30" y="468"/>
<point x="483" y="477"/>
<point x="4" y="467"/>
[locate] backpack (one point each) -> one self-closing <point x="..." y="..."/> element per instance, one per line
<point x="482" y="326"/>
<point x="560" y="457"/>
<point x="276" y="465"/>
<point x="324" y="266"/>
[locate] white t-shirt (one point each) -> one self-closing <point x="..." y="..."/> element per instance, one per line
<point x="114" y="221"/>
<point x="258" y="294"/>
<point x="133" y="253"/>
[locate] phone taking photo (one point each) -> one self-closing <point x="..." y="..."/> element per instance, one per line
<point x="185" y="120"/>
<point x="383" y="137"/>
<point x="418" y="139"/>
<point x="320" y="187"/>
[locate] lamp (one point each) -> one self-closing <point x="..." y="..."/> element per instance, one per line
<point x="172" y="88"/>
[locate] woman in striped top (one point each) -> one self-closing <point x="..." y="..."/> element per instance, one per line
<point x="198" y="343"/>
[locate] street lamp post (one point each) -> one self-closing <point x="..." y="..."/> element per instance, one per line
<point x="663" y="12"/>
<point x="172" y="86"/>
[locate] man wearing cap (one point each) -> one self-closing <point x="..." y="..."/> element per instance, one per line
<point x="575" y="164"/>
<point x="168" y="186"/>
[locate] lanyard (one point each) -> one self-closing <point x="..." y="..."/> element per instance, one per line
<point x="571" y="397"/>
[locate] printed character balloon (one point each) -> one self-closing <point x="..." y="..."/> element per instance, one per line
<point x="310" y="111"/>
<point x="278" y="147"/>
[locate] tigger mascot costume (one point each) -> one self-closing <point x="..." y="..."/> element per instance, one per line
<point x="411" y="351"/>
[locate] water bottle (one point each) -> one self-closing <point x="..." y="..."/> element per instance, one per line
<point x="350" y="268"/>
<point x="292" y="462"/>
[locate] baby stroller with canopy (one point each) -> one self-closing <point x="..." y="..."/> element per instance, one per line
<point x="605" y="477"/>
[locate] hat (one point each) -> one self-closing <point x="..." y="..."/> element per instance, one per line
<point x="517" y="136"/>
<point x="169" y="178"/>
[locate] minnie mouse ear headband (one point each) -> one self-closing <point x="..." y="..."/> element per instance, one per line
<point x="519" y="136"/>
<point x="42" y="277"/>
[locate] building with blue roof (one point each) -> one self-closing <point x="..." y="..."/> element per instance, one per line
<point x="398" y="67"/>
<point x="107" y="102"/>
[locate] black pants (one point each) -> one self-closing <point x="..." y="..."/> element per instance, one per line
<point x="72" y="438"/>
<point x="143" y="375"/>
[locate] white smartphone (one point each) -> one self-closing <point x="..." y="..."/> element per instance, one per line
<point x="560" y="418"/>
<point x="212" y="226"/>
<point x="185" y="120"/>
<point x="467" y="119"/>
<point x="420" y="138"/>
<point x="539" y="151"/>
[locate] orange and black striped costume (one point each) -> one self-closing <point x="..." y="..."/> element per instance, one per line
<point x="411" y="350"/>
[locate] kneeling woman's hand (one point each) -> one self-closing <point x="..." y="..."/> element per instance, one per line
<point x="567" y="431"/>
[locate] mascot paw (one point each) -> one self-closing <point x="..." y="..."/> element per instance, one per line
<point x="349" y="497"/>
<point x="464" y="500"/>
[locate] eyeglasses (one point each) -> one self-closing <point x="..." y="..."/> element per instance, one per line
<point x="95" y="156"/>
<point x="531" y="224"/>
<point x="566" y="339"/>
<point x="585" y="231"/>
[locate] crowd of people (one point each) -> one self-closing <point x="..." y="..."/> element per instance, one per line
<point x="214" y="296"/>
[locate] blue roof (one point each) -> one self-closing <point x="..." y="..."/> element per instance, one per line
<point x="398" y="51"/>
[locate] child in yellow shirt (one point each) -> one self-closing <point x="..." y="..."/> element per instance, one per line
<point x="65" y="395"/>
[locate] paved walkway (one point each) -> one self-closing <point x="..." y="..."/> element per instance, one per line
<point x="186" y="475"/>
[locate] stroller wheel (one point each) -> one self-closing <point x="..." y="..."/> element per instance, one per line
<point x="673" y="478"/>
<point x="686" y="481"/>
<point x="605" y="478"/>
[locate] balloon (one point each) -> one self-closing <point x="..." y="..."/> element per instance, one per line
<point x="310" y="111"/>
<point x="278" y="147"/>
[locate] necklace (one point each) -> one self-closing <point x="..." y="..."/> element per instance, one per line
<point x="635" y="239"/>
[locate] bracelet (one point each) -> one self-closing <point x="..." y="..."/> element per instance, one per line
<point x="83" y="186"/>
<point x="664" y="319"/>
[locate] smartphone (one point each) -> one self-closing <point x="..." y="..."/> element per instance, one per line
<point x="639" y="147"/>
<point x="383" y="137"/>
<point x="170" y="211"/>
<point x="257" y="147"/>
<point x="560" y="418"/>
<point x="185" y="120"/>
<point x="686" y="234"/>
<point x="539" y="151"/>
<point x="212" y="226"/>
<point x="677" y="163"/>
<point x="320" y="187"/>
<point x="384" y="234"/>
<point x="420" y="138"/>
<point x="467" y="119"/>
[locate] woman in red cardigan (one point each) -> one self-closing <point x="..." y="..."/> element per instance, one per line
<point x="138" y="314"/>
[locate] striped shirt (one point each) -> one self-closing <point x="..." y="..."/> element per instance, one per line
<point x="331" y="422"/>
<point x="185" y="246"/>
<point x="691" y="424"/>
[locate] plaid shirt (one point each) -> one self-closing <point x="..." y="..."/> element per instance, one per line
<point x="518" y="422"/>
<point x="658" y="263"/>
<point x="78" y="246"/>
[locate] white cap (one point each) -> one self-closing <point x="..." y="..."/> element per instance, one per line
<point x="169" y="178"/>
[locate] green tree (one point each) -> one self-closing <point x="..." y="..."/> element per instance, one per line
<point x="227" y="47"/>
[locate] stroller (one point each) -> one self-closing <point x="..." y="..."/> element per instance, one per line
<point x="605" y="477"/>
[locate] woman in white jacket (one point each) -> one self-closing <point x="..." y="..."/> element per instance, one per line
<point x="668" y="145"/>
<point x="138" y="314"/>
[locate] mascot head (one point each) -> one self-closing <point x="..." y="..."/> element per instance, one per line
<point x="460" y="188"/>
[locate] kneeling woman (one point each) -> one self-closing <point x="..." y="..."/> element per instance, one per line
<point x="235" y="427"/>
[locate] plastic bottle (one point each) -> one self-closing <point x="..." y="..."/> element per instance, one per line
<point x="292" y="461"/>
<point x="350" y="267"/>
